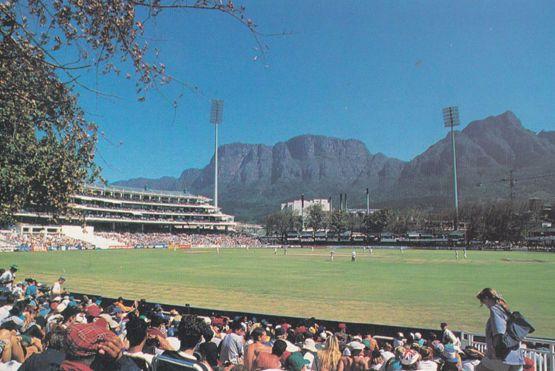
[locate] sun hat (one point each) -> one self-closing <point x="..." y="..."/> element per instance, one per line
<point x="93" y="310"/>
<point x="356" y="345"/>
<point x="61" y="307"/>
<point x="83" y="339"/>
<point x="310" y="344"/>
<point x="473" y="353"/>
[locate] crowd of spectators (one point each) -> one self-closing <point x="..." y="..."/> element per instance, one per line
<point x="58" y="241"/>
<point x="42" y="242"/>
<point x="44" y="327"/>
<point x="192" y="240"/>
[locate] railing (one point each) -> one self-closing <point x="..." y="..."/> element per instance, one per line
<point x="542" y="351"/>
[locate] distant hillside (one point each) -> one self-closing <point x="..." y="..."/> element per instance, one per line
<point x="255" y="178"/>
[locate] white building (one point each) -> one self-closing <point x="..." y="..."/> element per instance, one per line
<point x="295" y="205"/>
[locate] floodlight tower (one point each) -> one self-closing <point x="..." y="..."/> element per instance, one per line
<point x="367" y="202"/>
<point x="216" y="117"/>
<point x="451" y="119"/>
<point x="302" y="212"/>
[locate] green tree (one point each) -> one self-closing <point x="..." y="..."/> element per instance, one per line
<point x="282" y="222"/>
<point x="376" y="222"/>
<point x="315" y="218"/>
<point x="338" y="221"/>
<point x="47" y="148"/>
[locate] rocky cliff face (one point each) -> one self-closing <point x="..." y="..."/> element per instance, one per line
<point x="255" y="178"/>
<point x="259" y="177"/>
<point x="487" y="150"/>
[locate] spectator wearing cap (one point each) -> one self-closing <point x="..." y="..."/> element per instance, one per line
<point x="253" y="349"/>
<point x="357" y="360"/>
<point x="7" y="278"/>
<point x="190" y="333"/>
<point x="90" y="343"/>
<point x="330" y="356"/>
<point x="92" y="311"/>
<point x="231" y="350"/>
<point x="58" y="287"/>
<point x="296" y="362"/>
<point x="310" y="353"/>
<point x="271" y="360"/>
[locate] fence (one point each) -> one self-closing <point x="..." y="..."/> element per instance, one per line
<point x="542" y="351"/>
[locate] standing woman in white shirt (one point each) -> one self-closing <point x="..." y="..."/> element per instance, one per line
<point x="498" y="359"/>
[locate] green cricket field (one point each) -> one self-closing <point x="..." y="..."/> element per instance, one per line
<point x="415" y="288"/>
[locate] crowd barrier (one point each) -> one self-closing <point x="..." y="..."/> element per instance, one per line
<point x="542" y="351"/>
<point x="383" y="330"/>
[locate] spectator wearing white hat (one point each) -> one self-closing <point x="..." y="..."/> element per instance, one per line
<point x="310" y="353"/>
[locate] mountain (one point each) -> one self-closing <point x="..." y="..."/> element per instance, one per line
<point x="487" y="150"/>
<point x="254" y="178"/>
<point x="547" y="135"/>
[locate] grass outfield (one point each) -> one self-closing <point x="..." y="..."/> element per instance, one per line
<point x="416" y="288"/>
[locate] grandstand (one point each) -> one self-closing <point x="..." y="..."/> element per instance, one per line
<point x="136" y="210"/>
<point x="124" y="210"/>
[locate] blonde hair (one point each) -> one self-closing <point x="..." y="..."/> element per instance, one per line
<point x="492" y="294"/>
<point x="330" y="355"/>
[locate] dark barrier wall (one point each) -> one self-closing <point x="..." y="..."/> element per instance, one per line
<point x="352" y="327"/>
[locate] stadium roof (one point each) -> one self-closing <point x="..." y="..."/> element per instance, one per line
<point x="146" y="191"/>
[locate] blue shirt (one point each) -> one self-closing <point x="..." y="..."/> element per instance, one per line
<point x="31" y="290"/>
<point x="497" y="324"/>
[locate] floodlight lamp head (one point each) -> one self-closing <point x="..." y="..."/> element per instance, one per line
<point x="451" y="116"/>
<point x="217" y="111"/>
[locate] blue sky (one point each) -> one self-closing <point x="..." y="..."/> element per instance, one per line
<point x="377" y="71"/>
